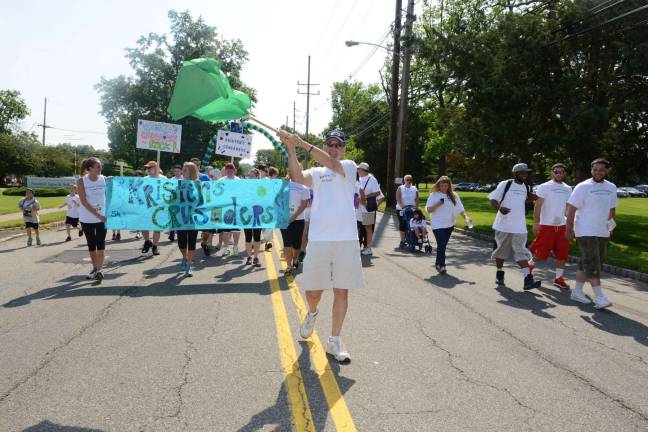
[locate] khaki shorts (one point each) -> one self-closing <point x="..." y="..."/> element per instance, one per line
<point x="369" y="218"/>
<point x="593" y="255"/>
<point x="509" y="243"/>
<point x="332" y="264"/>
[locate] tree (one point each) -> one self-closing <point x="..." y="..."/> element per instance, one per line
<point x="156" y="61"/>
<point x="12" y="109"/>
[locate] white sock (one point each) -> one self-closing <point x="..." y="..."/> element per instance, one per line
<point x="333" y="338"/>
<point x="531" y="262"/>
<point x="525" y="271"/>
<point x="579" y="287"/>
<point x="559" y="272"/>
<point x="598" y="291"/>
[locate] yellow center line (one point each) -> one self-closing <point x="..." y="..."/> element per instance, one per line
<point x="303" y="419"/>
<point x="337" y="406"/>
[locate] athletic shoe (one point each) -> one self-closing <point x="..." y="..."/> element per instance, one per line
<point x="189" y="272"/>
<point x="302" y="255"/>
<point x="155" y="250"/>
<point x="118" y="236"/>
<point x="172" y="236"/>
<point x="147" y="246"/>
<point x="114" y="237"/>
<point x="268" y="246"/>
<point x="308" y="325"/>
<point x="579" y="296"/>
<point x="38" y="242"/>
<point x="183" y="264"/>
<point x="560" y="283"/>
<point x="288" y="272"/>
<point x="529" y="283"/>
<point x="225" y="252"/>
<point x="335" y="347"/>
<point x="235" y="250"/>
<point x="68" y="238"/>
<point x="92" y="274"/>
<point x="499" y="277"/>
<point x="443" y="270"/>
<point x="438" y="268"/>
<point x="248" y="261"/>
<point x="205" y="249"/>
<point x="296" y="265"/>
<point x="80" y="233"/>
<point x="366" y="251"/>
<point x="601" y="302"/>
<point x="256" y="262"/>
<point x="99" y="276"/>
<point x="138" y="235"/>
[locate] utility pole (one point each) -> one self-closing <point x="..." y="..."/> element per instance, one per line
<point x="404" y="96"/>
<point x="308" y="94"/>
<point x="393" y="110"/>
<point x="44" y="124"/>
<point x="294" y="115"/>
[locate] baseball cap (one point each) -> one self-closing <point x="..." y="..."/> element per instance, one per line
<point x="150" y="164"/>
<point x="230" y="165"/>
<point x="521" y="167"/>
<point x="364" y="166"/>
<point x="338" y="134"/>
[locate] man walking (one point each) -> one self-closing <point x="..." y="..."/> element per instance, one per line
<point x="591" y="213"/>
<point x="333" y="255"/>
<point x="509" y="200"/>
<point x="549" y="223"/>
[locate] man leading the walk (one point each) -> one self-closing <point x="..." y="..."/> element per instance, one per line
<point x="509" y="199"/>
<point x="333" y="253"/>
<point x="549" y="223"/>
<point x="591" y="213"/>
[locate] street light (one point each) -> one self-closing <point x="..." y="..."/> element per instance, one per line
<point x="351" y="43"/>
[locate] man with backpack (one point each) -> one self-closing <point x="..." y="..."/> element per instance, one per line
<point x="509" y="199"/>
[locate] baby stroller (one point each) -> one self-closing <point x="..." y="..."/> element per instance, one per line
<point x="411" y="241"/>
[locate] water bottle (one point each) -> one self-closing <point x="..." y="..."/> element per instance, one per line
<point x="469" y="223"/>
<point x="611" y="224"/>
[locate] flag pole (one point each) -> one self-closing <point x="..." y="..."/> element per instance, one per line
<point x="264" y="125"/>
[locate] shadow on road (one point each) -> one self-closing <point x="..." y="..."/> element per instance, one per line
<point x="47" y="426"/>
<point x="279" y="415"/>
<point x="525" y="300"/>
<point x="447" y="281"/>
<point x="612" y="322"/>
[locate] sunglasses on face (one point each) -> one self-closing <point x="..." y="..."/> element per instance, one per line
<point x="559" y="172"/>
<point x="336" y="145"/>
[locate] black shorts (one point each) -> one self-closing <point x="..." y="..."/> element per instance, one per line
<point x="228" y="230"/>
<point x="292" y="236"/>
<point x="252" y="234"/>
<point x="209" y="231"/>
<point x="71" y="221"/>
<point x="31" y="225"/>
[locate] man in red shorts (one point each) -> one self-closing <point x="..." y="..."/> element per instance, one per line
<point x="549" y="222"/>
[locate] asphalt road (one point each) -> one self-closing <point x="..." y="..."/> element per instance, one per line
<point x="148" y="350"/>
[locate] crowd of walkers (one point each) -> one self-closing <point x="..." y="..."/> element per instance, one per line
<point x="333" y="208"/>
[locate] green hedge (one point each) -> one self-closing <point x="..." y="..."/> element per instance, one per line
<point x="38" y="192"/>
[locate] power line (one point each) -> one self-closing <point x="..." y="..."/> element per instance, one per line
<point x="372" y="125"/>
<point x="328" y="21"/>
<point x="337" y="34"/>
<point x="604" y="23"/>
<point x="79" y="131"/>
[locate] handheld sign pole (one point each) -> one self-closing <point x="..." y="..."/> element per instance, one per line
<point x="158" y="157"/>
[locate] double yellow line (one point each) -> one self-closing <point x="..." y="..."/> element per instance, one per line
<point x="297" y="396"/>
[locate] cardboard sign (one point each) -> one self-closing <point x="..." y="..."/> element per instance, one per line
<point x="158" y="136"/>
<point x="233" y="144"/>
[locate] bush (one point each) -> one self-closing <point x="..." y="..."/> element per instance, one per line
<point x="38" y="192"/>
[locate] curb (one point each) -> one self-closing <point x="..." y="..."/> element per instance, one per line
<point x="22" y="233"/>
<point x="614" y="270"/>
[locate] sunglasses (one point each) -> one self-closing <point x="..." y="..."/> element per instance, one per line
<point x="558" y="172"/>
<point x="337" y="146"/>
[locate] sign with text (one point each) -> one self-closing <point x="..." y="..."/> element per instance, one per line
<point x="50" y="182"/>
<point x="155" y="204"/>
<point x="158" y="136"/>
<point x="233" y="144"/>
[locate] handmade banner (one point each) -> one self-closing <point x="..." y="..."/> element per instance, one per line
<point x="158" y="136"/>
<point x="233" y="144"/>
<point x="154" y="204"/>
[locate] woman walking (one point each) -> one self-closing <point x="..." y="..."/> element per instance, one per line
<point x="443" y="205"/>
<point x="187" y="238"/>
<point x="92" y="194"/>
<point x="252" y="235"/>
<point x="406" y="196"/>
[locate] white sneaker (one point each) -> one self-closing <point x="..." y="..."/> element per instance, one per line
<point x="579" y="297"/>
<point x="92" y="274"/>
<point x="308" y="325"/>
<point x="366" y="251"/>
<point x="235" y="250"/>
<point x="226" y="251"/>
<point x="601" y="302"/>
<point x="335" y="347"/>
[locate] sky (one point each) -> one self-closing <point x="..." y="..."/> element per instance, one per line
<point x="61" y="49"/>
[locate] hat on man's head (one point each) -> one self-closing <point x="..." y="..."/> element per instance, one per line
<point x="337" y="134"/>
<point x="230" y="165"/>
<point x="150" y="164"/>
<point x="364" y="166"/>
<point x="521" y="167"/>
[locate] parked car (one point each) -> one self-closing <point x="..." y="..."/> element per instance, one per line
<point x="634" y="193"/>
<point x="622" y="193"/>
<point x="462" y="187"/>
<point x="642" y="187"/>
<point x="488" y="187"/>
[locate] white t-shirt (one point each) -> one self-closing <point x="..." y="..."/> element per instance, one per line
<point x="554" y="200"/>
<point x="332" y="216"/>
<point x="95" y="192"/>
<point x="408" y="196"/>
<point x="370" y="185"/>
<point x="356" y="200"/>
<point x="160" y="176"/>
<point x="420" y="224"/>
<point x="298" y="193"/>
<point x="73" y="203"/>
<point x="446" y="215"/>
<point x="515" y="221"/>
<point x="593" y="202"/>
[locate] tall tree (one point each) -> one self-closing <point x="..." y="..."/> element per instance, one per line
<point x="12" y="109"/>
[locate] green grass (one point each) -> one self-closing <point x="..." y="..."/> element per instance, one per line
<point x="9" y="204"/>
<point x="628" y="244"/>
<point x="48" y="218"/>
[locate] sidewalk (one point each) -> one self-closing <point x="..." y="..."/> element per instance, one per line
<point x="19" y="215"/>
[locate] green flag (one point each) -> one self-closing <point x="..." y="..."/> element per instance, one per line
<point x="203" y="91"/>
